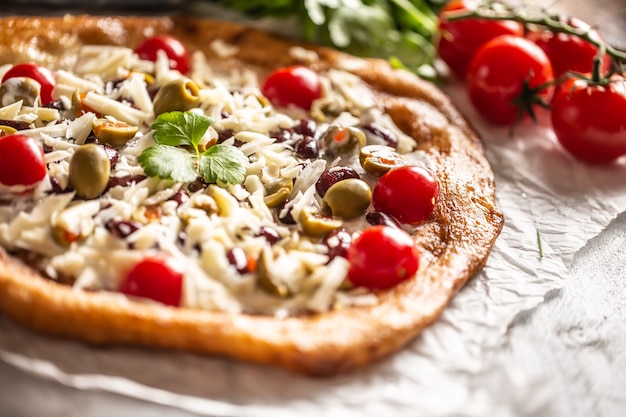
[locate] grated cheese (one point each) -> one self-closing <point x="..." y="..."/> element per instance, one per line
<point x="201" y="229"/>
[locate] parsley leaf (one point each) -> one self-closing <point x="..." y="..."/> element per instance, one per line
<point x="220" y="163"/>
<point x="180" y="128"/>
<point x="168" y="162"/>
<point x="224" y="164"/>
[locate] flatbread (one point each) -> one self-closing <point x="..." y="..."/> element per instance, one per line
<point x="454" y="242"/>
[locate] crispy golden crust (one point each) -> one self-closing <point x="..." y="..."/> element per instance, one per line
<point x="454" y="243"/>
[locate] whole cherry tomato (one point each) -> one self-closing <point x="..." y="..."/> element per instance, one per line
<point x="21" y="160"/>
<point x="381" y="257"/>
<point x="173" y="48"/>
<point x="590" y="120"/>
<point x="407" y="193"/>
<point x="295" y="85"/>
<point x="459" y="40"/>
<point x="498" y="73"/>
<point x="568" y="52"/>
<point x="159" y="278"/>
<point x="42" y="75"/>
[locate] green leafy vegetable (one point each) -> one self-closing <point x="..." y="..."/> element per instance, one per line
<point x="223" y="163"/>
<point x="176" y="132"/>
<point x="180" y="128"/>
<point x="168" y="162"/>
<point x="402" y="31"/>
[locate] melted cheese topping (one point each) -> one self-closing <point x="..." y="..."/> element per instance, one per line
<point x="201" y="230"/>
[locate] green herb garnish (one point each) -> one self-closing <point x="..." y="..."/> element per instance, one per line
<point x="177" y="155"/>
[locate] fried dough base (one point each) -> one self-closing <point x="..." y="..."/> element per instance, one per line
<point x="454" y="243"/>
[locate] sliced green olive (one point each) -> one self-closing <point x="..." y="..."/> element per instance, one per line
<point x="347" y="199"/>
<point x="263" y="101"/>
<point x="73" y="223"/>
<point x="277" y="192"/>
<point x="6" y="130"/>
<point x="227" y="204"/>
<point x="148" y="78"/>
<point x="378" y="159"/>
<point x="63" y="236"/>
<point x="344" y="140"/>
<point x="266" y="280"/>
<point x="317" y="224"/>
<point x="89" y="171"/>
<point x="19" y="88"/>
<point x="277" y="198"/>
<point x="113" y="133"/>
<point x="181" y="94"/>
<point x="77" y="104"/>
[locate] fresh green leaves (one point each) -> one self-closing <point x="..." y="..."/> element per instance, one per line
<point x="400" y="30"/>
<point x="177" y="155"/>
<point x="223" y="163"/>
<point x="168" y="162"/>
<point x="180" y="128"/>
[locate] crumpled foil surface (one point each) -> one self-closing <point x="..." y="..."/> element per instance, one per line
<point x="463" y="365"/>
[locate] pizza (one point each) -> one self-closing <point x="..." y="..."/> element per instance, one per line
<point x="198" y="185"/>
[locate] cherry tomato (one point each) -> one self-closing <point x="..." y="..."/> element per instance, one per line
<point x="159" y="278"/>
<point x="590" y="120"/>
<point x="294" y="85"/>
<point x="381" y="257"/>
<point x="173" y="48"/>
<point x="570" y="53"/>
<point x="21" y="161"/>
<point x="407" y="193"/>
<point x="498" y="72"/>
<point x="42" y="75"/>
<point x="459" y="40"/>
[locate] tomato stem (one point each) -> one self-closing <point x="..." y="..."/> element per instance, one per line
<point x="596" y="73"/>
<point x="552" y="21"/>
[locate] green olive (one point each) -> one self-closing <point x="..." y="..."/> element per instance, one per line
<point x="347" y="199"/>
<point x="64" y="237"/>
<point x="278" y="198"/>
<point x="266" y="281"/>
<point x="6" y="130"/>
<point x="89" y="171"/>
<point x="317" y="224"/>
<point x="113" y="133"/>
<point x="277" y="192"/>
<point x="344" y="140"/>
<point x="263" y="101"/>
<point x="148" y="78"/>
<point x="378" y="159"/>
<point x="72" y="224"/>
<point x="19" y="88"/>
<point x="181" y="94"/>
<point x="77" y="103"/>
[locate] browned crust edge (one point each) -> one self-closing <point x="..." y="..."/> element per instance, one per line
<point x="455" y="241"/>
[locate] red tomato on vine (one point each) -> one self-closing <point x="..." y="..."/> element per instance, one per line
<point x="503" y="78"/>
<point x="568" y="52"/>
<point x="459" y="40"/>
<point x="589" y="119"/>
